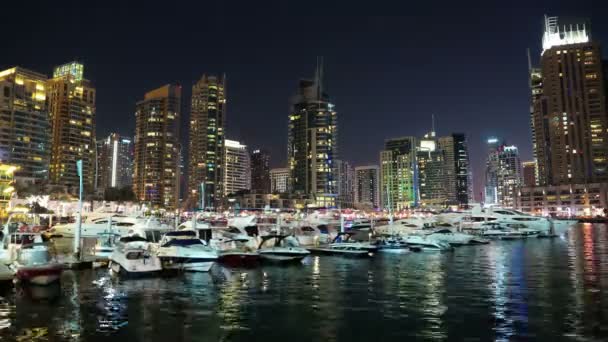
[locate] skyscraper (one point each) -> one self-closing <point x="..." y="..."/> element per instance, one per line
<point x="398" y="176"/>
<point x="312" y="144"/>
<point x="367" y="186"/>
<point x="24" y="133"/>
<point x="114" y="162"/>
<point x="503" y="174"/>
<point x="457" y="171"/>
<point x="569" y="111"/>
<point x="207" y="124"/>
<point x="237" y="170"/>
<point x="72" y="112"/>
<point x="345" y="184"/>
<point x="260" y="171"/>
<point x="279" y="180"/>
<point x="432" y="173"/>
<point x="156" y="167"/>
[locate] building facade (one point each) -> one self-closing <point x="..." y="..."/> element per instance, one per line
<point x="157" y="147"/>
<point x="72" y="112"/>
<point x="529" y="173"/>
<point x="367" y="186"/>
<point x="260" y="171"/>
<point x="25" y="139"/>
<point x="564" y="200"/>
<point x="114" y="162"/>
<point x="457" y="168"/>
<point x="237" y="169"/>
<point x="398" y="176"/>
<point x="279" y="180"/>
<point x="569" y="113"/>
<point x="207" y="129"/>
<point x="312" y="145"/>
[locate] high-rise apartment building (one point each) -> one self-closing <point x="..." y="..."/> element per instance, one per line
<point x="279" y="180"/>
<point x="237" y="170"/>
<point x="207" y="125"/>
<point x="114" y="162"/>
<point x="367" y="186"/>
<point x="398" y="177"/>
<point x="157" y="147"/>
<point x="457" y="170"/>
<point x="345" y="184"/>
<point x="260" y="171"/>
<point x="24" y="132"/>
<point x="432" y="173"/>
<point x="312" y="143"/>
<point x="529" y="173"/>
<point x="569" y="109"/>
<point x="72" y="112"/>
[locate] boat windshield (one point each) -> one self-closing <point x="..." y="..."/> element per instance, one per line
<point x="183" y="242"/>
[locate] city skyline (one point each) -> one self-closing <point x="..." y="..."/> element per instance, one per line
<point x="499" y="53"/>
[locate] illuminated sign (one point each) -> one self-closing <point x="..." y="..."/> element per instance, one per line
<point x="565" y="35"/>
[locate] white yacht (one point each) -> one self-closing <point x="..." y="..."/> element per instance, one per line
<point x="184" y="251"/>
<point x="133" y="257"/>
<point x="93" y="225"/>
<point x="281" y="248"/>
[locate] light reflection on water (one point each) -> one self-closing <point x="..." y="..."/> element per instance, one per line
<point x="551" y="289"/>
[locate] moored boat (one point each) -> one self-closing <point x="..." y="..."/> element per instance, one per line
<point x="133" y="257"/>
<point x="281" y="248"/>
<point x="183" y="250"/>
<point x="33" y="263"/>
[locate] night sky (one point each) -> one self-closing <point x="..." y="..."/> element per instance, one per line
<point x="464" y="62"/>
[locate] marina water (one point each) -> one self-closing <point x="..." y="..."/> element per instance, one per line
<point x="534" y="289"/>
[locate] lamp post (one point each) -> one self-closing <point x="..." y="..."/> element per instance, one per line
<point x="79" y="226"/>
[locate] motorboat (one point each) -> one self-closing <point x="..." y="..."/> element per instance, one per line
<point x="394" y="244"/>
<point x="133" y="257"/>
<point x="342" y="245"/>
<point x="455" y="238"/>
<point x="281" y="248"/>
<point x="507" y="231"/>
<point x="184" y="251"/>
<point x="31" y="260"/>
<point x="106" y="242"/>
<point x="237" y="253"/>
<point x="426" y="243"/>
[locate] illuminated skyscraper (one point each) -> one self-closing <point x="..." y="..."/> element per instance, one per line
<point x="569" y="110"/>
<point x="114" y="162"/>
<point x="312" y="144"/>
<point x="345" y="184"/>
<point x="72" y="113"/>
<point x="398" y="176"/>
<point x="432" y="173"/>
<point x="503" y="174"/>
<point x="156" y="167"/>
<point x="367" y="186"/>
<point x="457" y="171"/>
<point x="237" y="170"/>
<point x="260" y="171"/>
<point x="24" y="132"/>
<point x="207" y="123"/>
<point x="529" y="173"/>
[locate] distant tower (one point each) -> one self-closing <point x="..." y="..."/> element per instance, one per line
<point x="237" y="170"/>
<point x="398" y="174"/>
<point x="312" y="143"/>
<point x="367" y="186"/>
<point x="114" y="162"/>
<point x="260" y="171"/>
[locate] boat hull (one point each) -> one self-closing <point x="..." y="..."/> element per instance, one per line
<point x="187" y="264"/>
<point x="282" y="257"/>
<point x="337" y="252"/>
<point x="118" y="270"/>
<point x="239" y="259"/>
<point x="39" y="275"/>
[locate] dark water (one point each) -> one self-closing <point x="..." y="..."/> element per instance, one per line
<point x="539" y="289"/>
